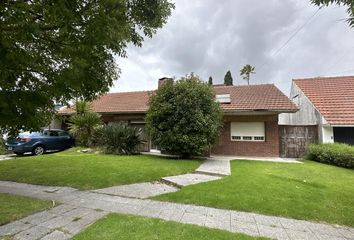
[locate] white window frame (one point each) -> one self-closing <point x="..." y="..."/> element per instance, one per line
<point x="247" y="131"/>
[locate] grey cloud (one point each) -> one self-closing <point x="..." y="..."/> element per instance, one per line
<point x="209" y="37"/>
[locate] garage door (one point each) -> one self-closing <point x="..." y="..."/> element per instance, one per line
<point x="344" y="135"/>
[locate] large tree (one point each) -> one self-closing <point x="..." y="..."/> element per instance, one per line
<point x="54" y="51"/>
<point x="246" y="72"/>
<point x="348" y="3"/>
<point x="183" y="117"/>
<point x="228" y="78"/>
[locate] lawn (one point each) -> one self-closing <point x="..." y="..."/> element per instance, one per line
<point x="311" y="191"/>
<point x="90" y="170"/>
<point x="117" y="226"/>
<point x="13" y="207"/>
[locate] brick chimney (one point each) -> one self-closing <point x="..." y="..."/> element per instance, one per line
<point x="163" y="81"/>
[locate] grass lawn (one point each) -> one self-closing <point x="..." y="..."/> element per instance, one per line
<point x="13" y="207"/>
<point x="126" y="227"/>
<point x="310" y="191"/>
<point x="91" y="171"/>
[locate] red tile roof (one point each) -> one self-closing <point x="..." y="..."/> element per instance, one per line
<point x="333" y="97"/>
<point x="265" y="97"/>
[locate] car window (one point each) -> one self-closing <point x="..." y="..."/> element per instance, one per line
<point x="53" y="134"/>
<point x="29" y="134"/>
<point x="63" y="134"/>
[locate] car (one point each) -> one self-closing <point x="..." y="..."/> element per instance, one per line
<point x="39" y="142"/>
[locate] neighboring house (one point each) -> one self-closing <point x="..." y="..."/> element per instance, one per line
<point x="250" y="115"/>
<point x="328" y="104"/>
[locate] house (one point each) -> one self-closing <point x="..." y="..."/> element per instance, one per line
<point x="326" y="103"/>
<point x="250" y="115"/>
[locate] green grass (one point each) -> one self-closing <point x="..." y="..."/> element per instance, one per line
<point x="117" y="226"/>
<point x="310" y="191"/>
<point x="13" y="207"/>
<point x="91" y="171"/>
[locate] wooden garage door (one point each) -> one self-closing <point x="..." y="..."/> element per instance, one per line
<point x="294" y="140"/>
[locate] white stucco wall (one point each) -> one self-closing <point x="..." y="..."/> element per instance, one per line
<point x="327" y="134"/>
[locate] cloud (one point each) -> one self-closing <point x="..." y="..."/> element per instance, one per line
<point x="209" y="37"/>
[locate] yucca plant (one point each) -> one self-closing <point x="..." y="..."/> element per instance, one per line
<point x="84" y="123"/>
<point x="118" y="138"/>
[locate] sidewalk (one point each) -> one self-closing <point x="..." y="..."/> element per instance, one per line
<point x="95" y="205"/>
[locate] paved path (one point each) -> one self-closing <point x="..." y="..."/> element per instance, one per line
<point x="215" y="166"/>
<point x="264" y="159"/>
<point x="60" y="224"/>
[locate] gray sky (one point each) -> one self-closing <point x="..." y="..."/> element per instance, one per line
<point x="209" y="37"/>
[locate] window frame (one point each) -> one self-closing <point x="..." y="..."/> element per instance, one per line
<point x="248" y="137"/>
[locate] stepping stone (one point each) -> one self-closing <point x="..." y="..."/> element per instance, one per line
<point x="189" y="179"/>
<point x="138" y="190"/>
<point x="217" y="167"/>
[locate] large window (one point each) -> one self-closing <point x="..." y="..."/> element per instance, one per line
<point x="247" y="131"/>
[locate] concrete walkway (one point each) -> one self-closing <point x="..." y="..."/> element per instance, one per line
<point x="264" y="159"/>
<point x="81" y="208"/>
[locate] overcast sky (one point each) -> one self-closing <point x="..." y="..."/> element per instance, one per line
<point x="209" y="37"/>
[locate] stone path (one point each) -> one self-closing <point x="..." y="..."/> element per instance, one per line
<point x="215" y="166"/>
<point x="189" y="179"/>
<point x="138" y="190"/>
<point x="264" y="159"/>
<point x="81" y="208"/>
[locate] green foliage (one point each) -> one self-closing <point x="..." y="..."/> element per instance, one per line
<point x="184" y="117"/>
<point x="118" y="138"/>
<point x="228" y="78"/>
<point x="2" y="146"/>
<point x="54" y="51"/>
<point x="348" y="3"/>
<point x="246" y="72"/>
<point x="210" y="81"/>
<point x="336" y="154"/>
<point x="84" y="123"/>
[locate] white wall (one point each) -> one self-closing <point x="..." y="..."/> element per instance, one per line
<point x="327" y="134"/>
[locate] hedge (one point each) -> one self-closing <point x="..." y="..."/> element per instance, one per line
<point x="338" y="154"/>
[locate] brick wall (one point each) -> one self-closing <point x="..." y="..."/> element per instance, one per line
<point x="268" y="148"/>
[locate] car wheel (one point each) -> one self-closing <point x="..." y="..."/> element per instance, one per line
<point x="38" y="150"/>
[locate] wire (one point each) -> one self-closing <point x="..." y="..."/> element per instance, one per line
<point x="291" y="37"/>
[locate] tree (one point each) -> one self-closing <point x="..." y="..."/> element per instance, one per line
<point x="348" y="3"/>
<point x="84" y="123"/>
<point x="228" y="78"/>
<point x="54" y="51"/>
<point x="183" y="117"/>
<point x="210" y="81"/>
<point x="246" y="72"/>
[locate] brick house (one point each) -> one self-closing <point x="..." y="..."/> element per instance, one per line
<point x="250" y="115"/>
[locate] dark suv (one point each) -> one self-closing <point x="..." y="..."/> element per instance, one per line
<point x="39" y="142"/>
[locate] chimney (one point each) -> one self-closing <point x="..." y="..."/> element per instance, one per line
<point x="163" y="81"/>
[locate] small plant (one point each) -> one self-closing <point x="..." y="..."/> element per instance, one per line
<point x="336" y="154"/>
<point x="118" y="138"/>
<point x="2" y="146"/>
<point x="84" y="123"/>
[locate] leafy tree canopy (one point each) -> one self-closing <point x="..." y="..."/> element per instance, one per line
<point x="228" y="78"/>
<point x="348" y="3"/>
<point x="54" y="51"/>
<point x="183" y="117"/>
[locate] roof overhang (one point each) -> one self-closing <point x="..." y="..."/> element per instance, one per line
<point x="255" y="112"/>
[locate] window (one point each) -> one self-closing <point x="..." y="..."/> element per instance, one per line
<point x="247" y="131"/>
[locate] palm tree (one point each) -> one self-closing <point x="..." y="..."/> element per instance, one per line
<point x="84" y="123"/>
<point x="246" y="72"/>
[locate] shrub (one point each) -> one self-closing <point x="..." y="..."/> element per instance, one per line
<point x="2" y="146"/>
<point x="183" y="117"/>
<point x="336" y="154"/>
<point x="84" y="123"/>
<point x="118" y="138"/>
